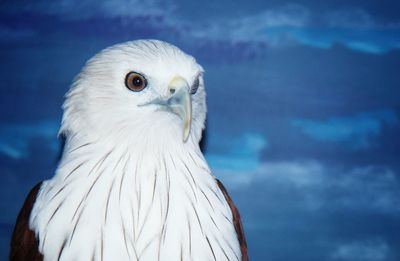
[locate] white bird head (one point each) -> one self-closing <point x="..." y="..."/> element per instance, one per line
<point x="139" y="90"/>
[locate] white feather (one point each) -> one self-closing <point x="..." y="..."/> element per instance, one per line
<point x="128" y="187"/>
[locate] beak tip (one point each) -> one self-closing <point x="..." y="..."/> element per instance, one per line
<point x="186" y="131"/>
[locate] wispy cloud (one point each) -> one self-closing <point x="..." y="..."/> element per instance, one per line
<point x="356" y="131"/>
<point x="376" y="41"/>
<point x="350" y="18"/>
<point x="281" y="26"/>
<point x="16" y="138"/>
<point x="251" y="27"/>
<point x="329" y="207"/>
<point x="366" y="250"/>
<point x="238" y="153"/>
<point x="290" y="25"/>
<point x="366" y="188"/>
<point x="354" y="28"/>
<point x="77" y="10"/>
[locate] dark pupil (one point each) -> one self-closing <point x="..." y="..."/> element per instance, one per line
<point x="137" y="81"/>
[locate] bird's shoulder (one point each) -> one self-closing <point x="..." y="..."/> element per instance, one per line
<point x="236" y="221"/>
<point x="24" y="244"/>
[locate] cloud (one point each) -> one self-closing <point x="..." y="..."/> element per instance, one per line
<point x="375" y="41"/>
<point x="251" y="27"/>
<point x="295" y="24"/>
<point x="318" y="209"/>
<point x="350" y="18"/>
<point x="367" y="250"/>
<point x="78" y="10"/>
<point x="286" y="25"/>
<point x="238" y="153"/>
<point x="365" y="188"/>
<point x="299" y="174"/>
<point x="16" y="138"/>
<point x="316" y="186"/>
<point x="354" y="28"/>
<point x="355" y="131"/>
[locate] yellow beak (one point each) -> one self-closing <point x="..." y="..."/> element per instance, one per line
<point x="178" y="101"/>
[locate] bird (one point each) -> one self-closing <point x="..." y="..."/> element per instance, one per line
<point x="132" y="182"/>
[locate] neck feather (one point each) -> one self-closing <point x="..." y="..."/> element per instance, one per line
<point x="133" y="202"/>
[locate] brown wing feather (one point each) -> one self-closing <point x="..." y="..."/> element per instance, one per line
<point x="236" y="222"/>
<point x="24" y="245"/>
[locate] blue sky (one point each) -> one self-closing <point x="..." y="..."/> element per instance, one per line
<point x="303" y="101"/>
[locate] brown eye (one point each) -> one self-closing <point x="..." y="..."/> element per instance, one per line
<point x="135" y="81"/>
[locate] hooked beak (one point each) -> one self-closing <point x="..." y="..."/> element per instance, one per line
<point x="179" y="102"/>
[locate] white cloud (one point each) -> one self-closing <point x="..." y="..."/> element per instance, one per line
<point x="295" y="24"/>
<point x="290" y="15"/>
<point x="350" y="18"/>
<point x="356" y="131"/>
<point x="75" y="9"/>
<point x="282" y="26"/>
<point x="355" y="18"/>
<point x="237" y="153"/>
<point x="253" y="27"/>
<point x="368" y="250"/>
<point x="297" y="173"/>
<point x="16" y="138"/>
<point x="368" y="188"/>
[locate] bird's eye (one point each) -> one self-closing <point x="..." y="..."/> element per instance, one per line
<point x="195" y="86"/>
<point x="135" y="81"/>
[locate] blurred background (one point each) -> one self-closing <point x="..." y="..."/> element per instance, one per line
<point x="303" y="99"/>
